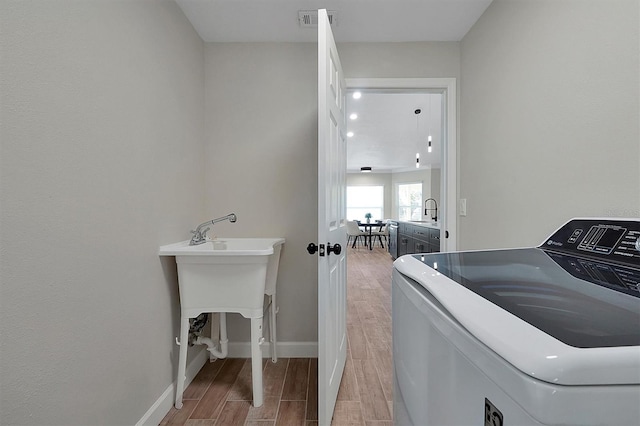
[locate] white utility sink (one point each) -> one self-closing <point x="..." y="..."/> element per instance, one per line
<point x="227" y="275"/>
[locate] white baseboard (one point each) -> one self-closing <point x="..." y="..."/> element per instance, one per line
<point x="161" y="407"/>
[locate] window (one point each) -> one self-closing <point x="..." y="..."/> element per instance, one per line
<point x="365" y="199"/>
<point x="410" y="201"/>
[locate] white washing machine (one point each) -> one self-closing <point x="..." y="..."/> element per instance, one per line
<point x="534" y="336"/>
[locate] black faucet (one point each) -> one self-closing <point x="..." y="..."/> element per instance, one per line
<point x="426" y="210"/>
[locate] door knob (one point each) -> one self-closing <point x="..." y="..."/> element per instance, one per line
<point x="336" y="249"/>
<point x="312" y="248"/>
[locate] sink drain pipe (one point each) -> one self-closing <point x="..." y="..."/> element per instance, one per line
<point x="211" y="346"/>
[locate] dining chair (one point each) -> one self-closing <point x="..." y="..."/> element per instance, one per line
<point x="382" y="232"/>
<point x="354" y="231"/>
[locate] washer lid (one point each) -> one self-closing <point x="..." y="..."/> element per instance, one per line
<point x="544" y="320"/>
<point x="529" y="284"/>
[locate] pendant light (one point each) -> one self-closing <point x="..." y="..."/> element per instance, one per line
<point x="417" y="112"/>
<point x="429" y="123"/>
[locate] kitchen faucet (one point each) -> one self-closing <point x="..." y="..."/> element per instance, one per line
<point x="426" y="210"/>
<point x="200" y="235"/>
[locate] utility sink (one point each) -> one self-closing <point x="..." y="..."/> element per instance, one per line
<point x="226" y="274"/>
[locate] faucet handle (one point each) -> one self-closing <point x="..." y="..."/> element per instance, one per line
<point x="203" y="233"/>
<point x="198" y="236"/>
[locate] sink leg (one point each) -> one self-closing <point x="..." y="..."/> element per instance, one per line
<point x="215" y="332"/>
<point x="182" y="360"/>
<point x="256" y="361"/>
<point x="272" y="327"/>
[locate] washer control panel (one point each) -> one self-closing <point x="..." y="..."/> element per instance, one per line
<point x="617" y="277"/>
<point x="616" y="240"/>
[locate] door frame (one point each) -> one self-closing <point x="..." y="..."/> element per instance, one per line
<point x="449" y="182"/>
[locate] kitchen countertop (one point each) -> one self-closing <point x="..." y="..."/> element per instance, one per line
<point x="424" y="223"/>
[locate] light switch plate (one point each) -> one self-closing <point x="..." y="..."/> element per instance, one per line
<point x="463" y="206"/>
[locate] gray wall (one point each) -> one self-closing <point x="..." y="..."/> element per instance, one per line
<point x="419" y="60"/>
<point x="261" y="153"/>
<point x="550" y="119"/>
<point x="102" y="162"/>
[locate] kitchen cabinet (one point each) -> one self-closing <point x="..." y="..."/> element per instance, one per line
<point x="404" y="239"/>
<point x="417" y="238"/>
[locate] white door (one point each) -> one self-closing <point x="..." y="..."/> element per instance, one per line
<point x="332" y="267"/>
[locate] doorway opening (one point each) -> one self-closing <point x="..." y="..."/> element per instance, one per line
<point x="444" y="113"/>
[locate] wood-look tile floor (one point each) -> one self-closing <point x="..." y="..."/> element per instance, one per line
<point x="221" y="392"/>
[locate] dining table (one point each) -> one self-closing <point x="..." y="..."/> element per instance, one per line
<point x="370" y="226"/>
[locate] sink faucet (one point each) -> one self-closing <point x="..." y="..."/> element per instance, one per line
<point x="426" y="210"/>
<point x="200" y="235"/>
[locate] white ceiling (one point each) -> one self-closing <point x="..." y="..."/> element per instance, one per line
<point x="385" y="137"/>
<point x="388" y="133"/>
<point x="357" y="20"/>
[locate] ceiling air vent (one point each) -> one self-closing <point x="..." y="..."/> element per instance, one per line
<point x="309" y="18"/>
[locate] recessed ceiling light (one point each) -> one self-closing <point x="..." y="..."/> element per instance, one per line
<point x="349" y="134"/>
<point x="357" y="95"/>
<point x="353" y="116"/>
<point x="365" y="169"/>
